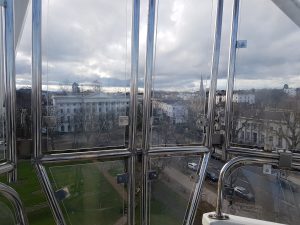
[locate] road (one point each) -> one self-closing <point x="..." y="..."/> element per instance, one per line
<point x="276" y="199"/>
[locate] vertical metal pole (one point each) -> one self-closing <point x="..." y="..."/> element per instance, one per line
<point x="36" y="110"/>
<point x="191" y="213"/>
<point x="231" y="71"/>
<point x="2" y="85"/>
<point x="10" y="87"/>
<point x="36" y="77"/>
<point x="192" y="210"/>
<point x="214" y="73"/>
<point x="147" y="110"/>
<point x="46" y="185"/>
<point x="133" y="109"/>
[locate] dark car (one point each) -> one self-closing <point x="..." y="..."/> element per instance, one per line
<point x="243" y="193"/>
<point x="212" y="176"/>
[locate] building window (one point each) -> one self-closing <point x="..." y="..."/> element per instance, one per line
<point x="62" y="119"/>
<point x="242" y="135"/>
<point x="61" y="111"/>
<point x="271" y="139"/>
<point x="247" y="136"/>
<point x="68" y="110"/>
<point x="262" y="139"/>
<point x="69" y="128"/>
<point x="280" y="142"/>
<point x="62" y="128"/>
<point x="255" y="137"/>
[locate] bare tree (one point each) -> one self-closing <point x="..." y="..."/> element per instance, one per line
<point x="289" y="129"/>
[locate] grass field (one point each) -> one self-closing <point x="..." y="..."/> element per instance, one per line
<point x="167" y="207"/>
<point x="93" y="199"/>
<point x="31" y="194"/>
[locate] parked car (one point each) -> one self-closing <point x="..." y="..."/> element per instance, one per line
<point x="193" y="166"/>
<point x="243" y="193"/>
<point x="212" y="176"/>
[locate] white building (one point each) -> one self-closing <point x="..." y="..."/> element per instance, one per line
<point x="173" y="109"/>
<point x="290" y="91"/>
<point x="67" y="108"/>
<point x="269" y="130"/>
<point x="243" y="98"/>
<point x="238" y="97"/>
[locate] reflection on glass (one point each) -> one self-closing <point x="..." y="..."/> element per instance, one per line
<point x="31" y="194"/>
<point x="182" y="65"/>
<point x="89" y="193"/>
<point x="266" y="93"/>
<point x="171" y="192"/>
<point x="272" y="196"/>
<point x="85" y="68"/>
<point x="6" y="212"/>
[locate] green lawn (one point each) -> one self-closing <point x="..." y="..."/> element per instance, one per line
<point x="167" y="207"/>
<point x="93" y="200"/>
<point x="31" y="195"/>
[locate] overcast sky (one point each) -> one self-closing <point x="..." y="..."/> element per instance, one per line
<point x="84" y="41"/>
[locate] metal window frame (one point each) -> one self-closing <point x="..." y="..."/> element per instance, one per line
<point x="39" y="158"/>
<point x="231" y="71"/>
<point x="7" y="165"/>
<point x="229" y="167"/>
<point x="10" y="87"/>
<point x="229" y="94"/>
<point x="146" y="150"/>
<point x="132" y="151"/>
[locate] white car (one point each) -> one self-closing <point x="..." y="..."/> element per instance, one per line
<point x="193" y="166"/>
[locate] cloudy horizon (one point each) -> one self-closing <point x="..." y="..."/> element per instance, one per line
<point x="87" y="42"/>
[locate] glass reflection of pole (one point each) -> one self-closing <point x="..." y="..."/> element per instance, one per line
<point x="191" y="213"/>
<point x="133" y="109"/>
<point x="231" y="73"/>
<point x="147" y="111"/>
<point x="2" y="112"/>
<point x="10" y="87"/>
<point x="214" y="73"/>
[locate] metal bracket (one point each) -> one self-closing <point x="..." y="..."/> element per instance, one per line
<point x="216" y="217"/>
<point x="62" y="193"/>
<point x="241" y="44"/>
<point x="122" y="178"/>
<point x="285" y="160"/>
<point x="152" y="175"/>
<point x="267" y="169"/>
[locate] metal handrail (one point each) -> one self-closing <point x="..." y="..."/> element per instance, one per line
<point x="14" y="198"/>
<point x="79" y="156"/>
<point x="6" y="167"/>
<point x="229" y="166"/>
<point x="266" y="155"/>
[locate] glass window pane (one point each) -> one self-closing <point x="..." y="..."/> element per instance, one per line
<point x="182" y="70"/>
<point x="31" y="194"/>
<point x="89" y="193"/>
<point x="272" y="197"/>
<point x="266" y="92"/>
<point x="86" y="60"/>
<point x="171" y="192"/>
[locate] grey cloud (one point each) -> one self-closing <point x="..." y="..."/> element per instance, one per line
<point x="84" y="42"/>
